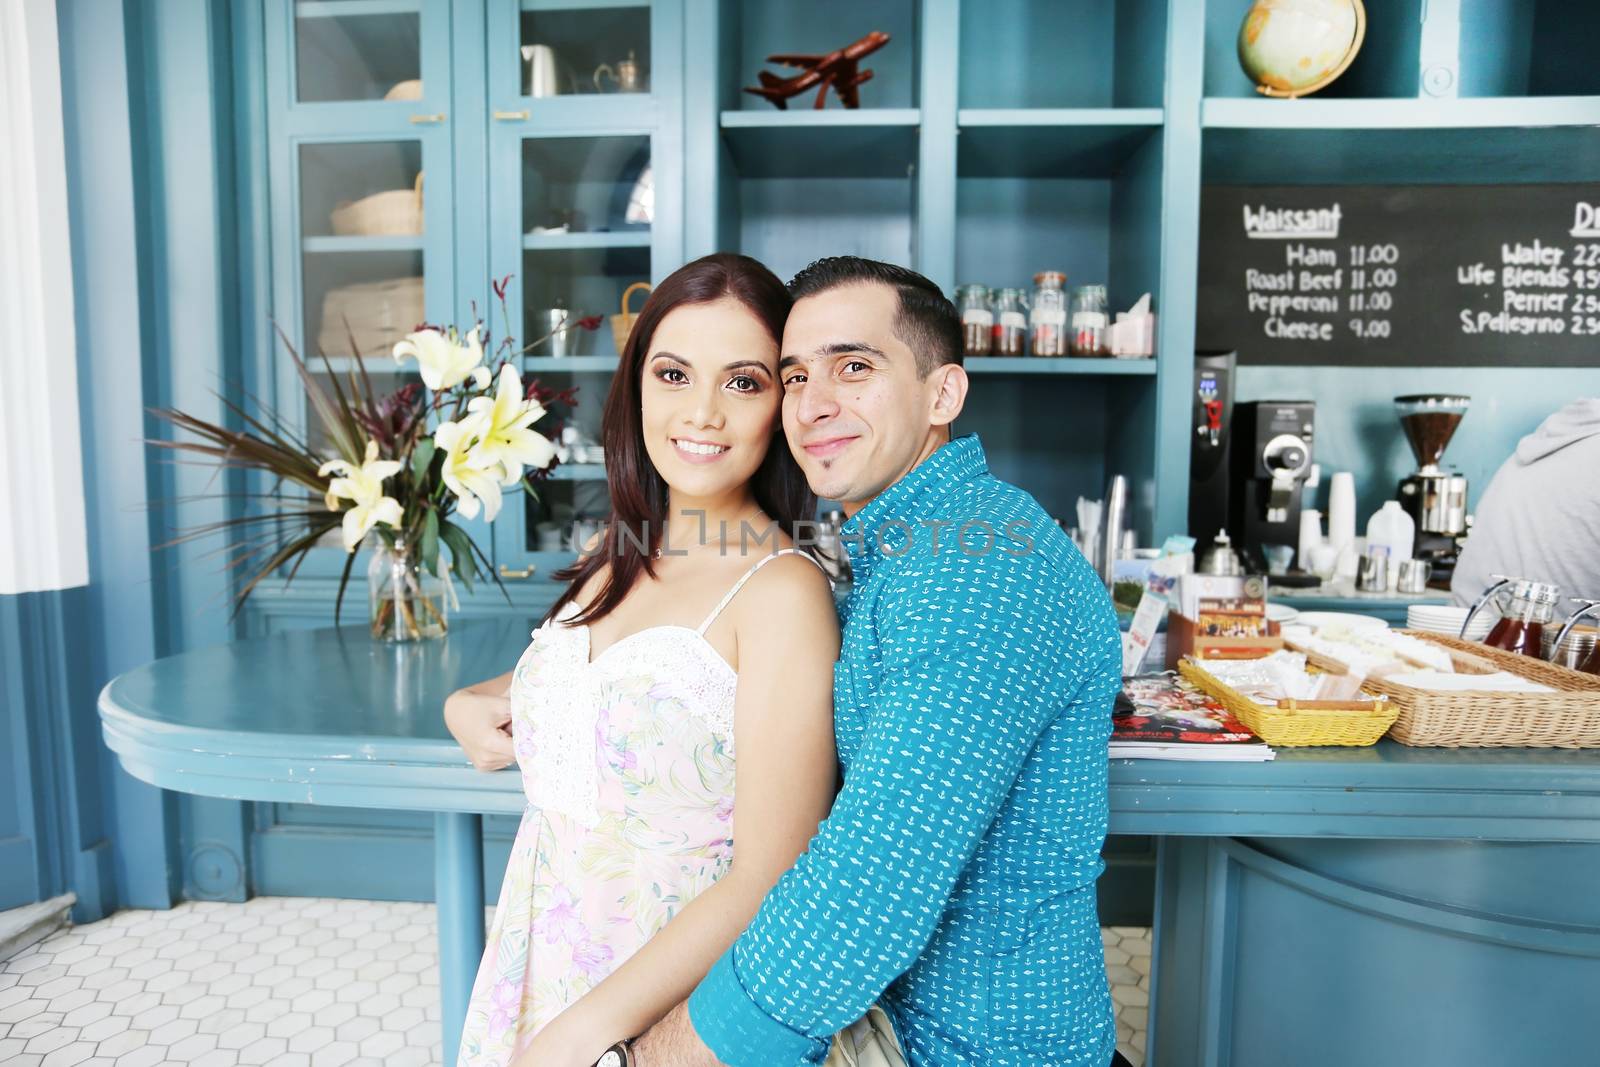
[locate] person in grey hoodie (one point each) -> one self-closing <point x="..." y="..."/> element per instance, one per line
<point x="1540" y="516"/>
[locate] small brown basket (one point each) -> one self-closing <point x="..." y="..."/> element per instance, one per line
<point x="395" y="213"/>
<point x="1566" y="718"/>
<point x="622" y="323"/>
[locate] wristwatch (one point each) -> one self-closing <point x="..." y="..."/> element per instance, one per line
<point x="618" y="1055"/>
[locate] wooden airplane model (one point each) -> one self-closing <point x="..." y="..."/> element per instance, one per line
<point x="837" y="70"/>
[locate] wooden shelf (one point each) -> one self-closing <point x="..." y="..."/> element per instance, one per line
<point x="1414" y="141"/>
<point x="579" y="472"/>
<point x="581" y="5"/>
<point x="838" y="143"/>
<point x="557" y="242"/>
<point x="1058" y="365"/>
<point x="549" y="364"/>
<point x="586" y="115"/>
<point x="1509" y="112"/>
<point x="326" y="9"/>
<point x="361" y="244"/>
<point x="1051" y="142"/>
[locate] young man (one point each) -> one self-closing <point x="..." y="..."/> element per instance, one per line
<point x="954" y="881"/>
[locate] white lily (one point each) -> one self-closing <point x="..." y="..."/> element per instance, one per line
<point x="465" y="473"/>
<point x="444" y="360"/>
<point x="505" y="436"/>
<point x="363" y="487"/>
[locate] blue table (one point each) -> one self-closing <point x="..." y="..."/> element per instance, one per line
<point x="1487" y="858"/>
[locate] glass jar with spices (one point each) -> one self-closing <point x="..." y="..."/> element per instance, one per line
<point x="977" y="320"/>
<point x="1010" y="323"/>
<point x="1047" y="320"/>
<point x="1089" y="321"/>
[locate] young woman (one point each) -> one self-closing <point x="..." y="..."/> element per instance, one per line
<point x="692" y="629"/>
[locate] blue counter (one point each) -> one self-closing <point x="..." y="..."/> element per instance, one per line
<point x="1331" y="907"/>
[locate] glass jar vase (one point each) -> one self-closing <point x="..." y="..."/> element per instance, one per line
<point x="406" y="602"/>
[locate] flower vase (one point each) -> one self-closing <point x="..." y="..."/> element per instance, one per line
<point x="407" y="603"/>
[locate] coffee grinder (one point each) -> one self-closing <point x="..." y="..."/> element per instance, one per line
<point x="1435" y="499"/>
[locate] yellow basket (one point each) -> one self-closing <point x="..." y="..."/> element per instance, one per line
<point x="1298" y="727"/>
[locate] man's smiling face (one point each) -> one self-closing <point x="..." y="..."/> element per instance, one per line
<point x="856" y="414"/>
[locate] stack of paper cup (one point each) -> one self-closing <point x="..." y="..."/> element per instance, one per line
<point x="1310" y="537"/>
<point x="1342" y="521"/>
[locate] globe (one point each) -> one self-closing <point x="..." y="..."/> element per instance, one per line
<point x="1293" y="47"/>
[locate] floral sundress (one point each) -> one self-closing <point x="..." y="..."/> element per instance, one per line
<point x="628" y="766"/>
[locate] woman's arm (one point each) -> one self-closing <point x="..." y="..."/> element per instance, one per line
<point x="786" y="772"/>
<point x="479" y="718"/>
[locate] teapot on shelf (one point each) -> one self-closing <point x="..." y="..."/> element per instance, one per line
<point x="625" y="76"/>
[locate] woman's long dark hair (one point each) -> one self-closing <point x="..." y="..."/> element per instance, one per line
<point x="638" y="493"/>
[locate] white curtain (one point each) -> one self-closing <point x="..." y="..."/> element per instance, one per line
<point x="42" y="535"/>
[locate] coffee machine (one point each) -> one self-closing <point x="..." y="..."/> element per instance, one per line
<point x="1212" y="433"/>
<point x="1435" y="499"/>
<point x="1269" y="463"/>
<point x="1248" y="463"/>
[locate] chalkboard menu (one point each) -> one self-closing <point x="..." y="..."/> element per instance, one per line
<point x="1402" y="275"/>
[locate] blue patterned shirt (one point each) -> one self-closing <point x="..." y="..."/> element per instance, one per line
<point x="954" y="881"/>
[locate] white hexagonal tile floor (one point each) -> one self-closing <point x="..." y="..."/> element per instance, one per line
<point x="288" y="982"/>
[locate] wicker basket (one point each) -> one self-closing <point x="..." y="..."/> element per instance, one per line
<point x="395" y="213"/>
<point x="1567" y="718"/>
<point x="622" y="324"/>
<point x="379" y="313"/>
<point x="1295" y="727"/>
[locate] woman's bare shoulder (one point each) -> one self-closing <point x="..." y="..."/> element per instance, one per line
<point x="791" y="595"/>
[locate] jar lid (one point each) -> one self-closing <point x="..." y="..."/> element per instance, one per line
<point x="972" y="289"/>
<point x="1091" y="290"/>
<point x="1538" y="592"/>
<point x="1053" y="278"/>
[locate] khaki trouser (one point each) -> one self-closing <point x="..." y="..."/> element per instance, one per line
<point x="867" y="1042"/>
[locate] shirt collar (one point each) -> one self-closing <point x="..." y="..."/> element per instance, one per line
<point x="885" y="527"/>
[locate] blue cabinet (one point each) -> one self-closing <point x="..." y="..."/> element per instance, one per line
<point x="994" y="140"/>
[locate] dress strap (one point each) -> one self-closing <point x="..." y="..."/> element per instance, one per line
<point x="762" y="562"/>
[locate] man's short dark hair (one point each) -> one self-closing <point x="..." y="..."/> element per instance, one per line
<point x="927" y="321"/>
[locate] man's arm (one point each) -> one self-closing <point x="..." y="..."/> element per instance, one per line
<point x="975" y="668"/>
<point x="672" y="1042"/>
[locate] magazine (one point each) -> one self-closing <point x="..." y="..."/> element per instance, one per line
<point x="1163" y="716"/>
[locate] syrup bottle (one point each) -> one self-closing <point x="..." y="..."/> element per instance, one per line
<point x="1531" y="608"/>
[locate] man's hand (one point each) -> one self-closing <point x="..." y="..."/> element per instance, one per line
<point x="479" y="717"/>
<point x="672" y="1042"/>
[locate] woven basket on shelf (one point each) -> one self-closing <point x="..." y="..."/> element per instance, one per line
<point x="1297" y="727"/>
<point x="379" y="314"/>
<point x="394" y="213"/>
<point x="1567" y="718"/>
<point x="622" y="324"/>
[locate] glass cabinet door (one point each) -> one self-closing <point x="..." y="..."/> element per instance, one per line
<point x="361" y="196"/>
<point x="359" y="50"/>
<point x="576" y="176"/>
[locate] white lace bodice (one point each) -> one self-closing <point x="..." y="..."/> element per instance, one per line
<point x="565" y="706"/>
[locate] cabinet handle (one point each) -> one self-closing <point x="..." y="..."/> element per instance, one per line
<point x="523" y="572"/>
<point x="511" y="116"/>
<point x="427" y="120"/>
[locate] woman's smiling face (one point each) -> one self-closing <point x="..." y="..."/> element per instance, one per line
<point x="709" y="396"/>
